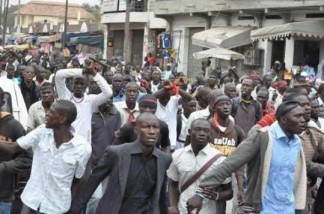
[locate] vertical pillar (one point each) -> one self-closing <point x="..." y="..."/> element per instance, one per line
<point x="105" y="30"/>
<point x="289" y="52"/>
<point x="146" y="41"/>
<point x="267" y="56"/>
<point x="321" y="55"/>
<point x="184" y="50"/>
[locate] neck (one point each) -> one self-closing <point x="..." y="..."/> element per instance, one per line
<point x="130" y="105"/>
<point x="62" y="135"/>
<point x="78" y="95"/>
<point x="47" y="104"/>
<point x="287" y="133"/>
<point x="196" y="148"/>
<point x="156" y="82"/>
<point x="186" y="114"/>
<point x="247" y="97"/>
<point x="29" y="83"/>
<point x="147" y="150"/>
<point x="223" y="121"/>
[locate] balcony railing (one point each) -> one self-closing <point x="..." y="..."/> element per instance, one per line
<point x="138" y="5"/>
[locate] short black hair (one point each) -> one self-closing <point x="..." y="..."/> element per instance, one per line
<point x="46" y="85"/>
<point x="320" y="88"/>
<point x="1" y="94"/>
<point x="292" y="97"/>
<point x="197" y="120"/>
<point x="141" y="117"/>
<point x="67" y="109"/>
<point x="285" y="107"/>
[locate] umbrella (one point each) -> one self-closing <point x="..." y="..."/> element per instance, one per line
<point x="219" y="53"/>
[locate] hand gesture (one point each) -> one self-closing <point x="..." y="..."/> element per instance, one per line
<point x="193" y="203"/>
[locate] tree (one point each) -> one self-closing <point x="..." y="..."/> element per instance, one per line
<point x="94" y="10"/>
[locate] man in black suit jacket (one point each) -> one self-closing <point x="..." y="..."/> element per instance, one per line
<point x="137" y="175"/>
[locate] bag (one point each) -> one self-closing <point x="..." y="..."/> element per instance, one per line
<point x="201" y="171"/>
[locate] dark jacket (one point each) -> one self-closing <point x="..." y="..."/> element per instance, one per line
<point x="127" y="135"/>
<point x="115" y="164"/>
<point x="10" y="166"/>
<point x="31" y="95"/>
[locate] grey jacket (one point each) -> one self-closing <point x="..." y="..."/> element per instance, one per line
<point x="256" y="152"/>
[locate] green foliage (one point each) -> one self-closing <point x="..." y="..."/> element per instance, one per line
<point x="93" y="9"/>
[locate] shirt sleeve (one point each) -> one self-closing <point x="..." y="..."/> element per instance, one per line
<point x="60" y="77"/>
<point x="105" y="94"/>
<point x="83" y="160"/>
<point x="32" y="139"/>
<point x="173" y="172"/>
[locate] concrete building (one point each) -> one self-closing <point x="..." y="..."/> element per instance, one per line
<point x="50" y="12"/>
<point x="289" y="44"/>
<point x="144" y="27"/>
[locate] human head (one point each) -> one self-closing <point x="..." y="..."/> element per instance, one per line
<point x="156" y="76"/>
<point x="80" y="84"/>
<point x="222" y="106"/>
<point x="230" y="90"/>
<point x="212" y="96"/>
<point x="267" y="80"/>
<point x="107" y="106"/>
<point x="200" y="133"/>
<point x="315" y="109"/>
<point x="10" y="71"/>
<point x="131" y="92"/>
<point x="188" y="106"/>
<point x="290" y="116"/>
<point x="303" y="101"/>
<point x="28" y="74"/>
<point x="94" y="87"/>
<point x="320" y="90"/>
<point x="61" y="113"/>
<point x="200" y="79"/>
<point x="247" y="88"/>
<point x="202" y="96"/>
<point x="263" y="96"/>
<point x="117" y="82"/>
<point x="108" y="75"/>
<point x="212" y="80"/>
<point x="172" y="78"/>
<point x="147" y="103"/>
<point x="127" y="79"/>
<point x="147" y="129"/>
<point x="47" y="92"/>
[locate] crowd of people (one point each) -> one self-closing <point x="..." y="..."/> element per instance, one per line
<point x="107" y="138"/>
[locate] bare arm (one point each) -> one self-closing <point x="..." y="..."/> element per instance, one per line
<point x="174" y="196"/>
<point x="10" y="148"/>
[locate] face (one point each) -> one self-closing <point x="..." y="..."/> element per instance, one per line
<point x="148" y="131"/>
<point x="230" y="92"/>
<point x="263" y="97"/>
<point x="200" y="133"/>
<point x="189" y="107"/>
<point x="315" y="109"/>
<point x="10" y="73"/>
<point x="52" y="117"/>
<point x="28" y="75"/>
<point x="131" y="93"/>
<point x="126" y="80"/>
<point x="147" y="108"/>
<point x="107" y="106"/>
<point x="156" y="76"/>
<point x="93" y="87"/>
<point x="247" y="88"/>
<point x="223" y="108"/>
<point x="79" y="87"/>
<point x="294" y="121"/>
<point x="117" y="82"/>
<point x="305" y="104"/>
<point x="47" y="95"/>
<point x="212" y="80"/>
<point x="267" y="80"/>
<point x="172" y="78"/>
<point x="109" y="77"/>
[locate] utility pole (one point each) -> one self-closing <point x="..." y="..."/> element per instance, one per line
<point x="6" y="5"/>
<point x="1" y="3"/>
<point x="126" y="33"/>
<point x="18" y="20"/>
<point x="65" y="24"/>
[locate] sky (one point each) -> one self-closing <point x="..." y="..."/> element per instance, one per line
<point x="91" y="2"/>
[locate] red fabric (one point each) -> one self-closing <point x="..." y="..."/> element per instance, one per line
<point x="267" y="120"/>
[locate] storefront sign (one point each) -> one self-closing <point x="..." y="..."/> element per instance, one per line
<point x="109" y="6"/>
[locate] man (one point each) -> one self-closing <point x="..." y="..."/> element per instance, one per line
<point x="230" y="90"/>
<point x="59" y="161"/>
<point x="314" y="114"/>
<point x="276" y="167"/>
<point x="245" y="110"/>
<point x="167" y="73"/>
<point x="28" y="87"/>
<point x="147" y="103"/>
<point x="188" y="107"/>
<point x="10" y="72"/>
<point x="108" y="75"/>
<point x="168" y="103"/>
<point x="156" y="81"/>
<point x="212" y="81"/>
<point x="186" y="162"/>
<point x="263" y="99"/>
<point x="10" y="165"/>
<point x="85" y="104"/>
<point x="37" y="111"/>
<point x="320" y="93"/>
<point x="200" y="82"/>
<point x="202" y="97"/>
<point x="137" y="174"/>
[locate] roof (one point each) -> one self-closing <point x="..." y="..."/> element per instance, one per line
<point x="54" y="9"/>
<point x="310" y="29"/>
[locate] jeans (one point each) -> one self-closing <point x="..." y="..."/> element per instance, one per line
<point x="5" y="207"/>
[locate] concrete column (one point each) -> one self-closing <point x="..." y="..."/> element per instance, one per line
<point x="105" y="30"/>
<point x="321" y="55"/>
<point x="146" y="41"/>
<point x="289" y="52"/>
<point x="130" y="45"/>
<point x="267" y="56"/>
<point x="184" y="50"/>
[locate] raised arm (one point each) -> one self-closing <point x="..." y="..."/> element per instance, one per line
<point x="60" y="77"/>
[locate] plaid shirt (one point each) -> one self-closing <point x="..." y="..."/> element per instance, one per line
<point x="53" y="170"/>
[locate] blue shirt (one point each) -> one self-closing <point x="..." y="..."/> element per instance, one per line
<point x="279" y="191"/>
<point x="120" y="97"/>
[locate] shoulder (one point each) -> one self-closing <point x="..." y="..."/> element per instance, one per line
<point x="164" y="156"/>
<point x="162" y="124"/>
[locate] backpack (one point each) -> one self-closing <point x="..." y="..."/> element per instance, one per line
<point x="236" y="103"/>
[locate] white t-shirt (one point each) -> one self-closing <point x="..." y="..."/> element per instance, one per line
<point x="168" y="114"/>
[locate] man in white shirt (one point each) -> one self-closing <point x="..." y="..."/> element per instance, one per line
<point x="86" y="104"/>
<point x="59" y="161"/>
<point x="167" y="108"/>
<point x="186" y="162"/>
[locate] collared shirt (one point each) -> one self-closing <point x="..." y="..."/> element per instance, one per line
<point x="168" y="114"/>
<point x="53" y="170"/>
<point x="183" y="134"/>
<point x="184" y="165"/>
<point x="126" y="113"/>
<point x="120" y="97"/>
<point x="279" y="191"/>
<point x="36" y="115"/>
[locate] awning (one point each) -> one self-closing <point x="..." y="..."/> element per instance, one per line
<point x="313" y="28"/>
<point x="55" y="37"/>
<point x="219" y="53"/>
<point x="225" y="37"/>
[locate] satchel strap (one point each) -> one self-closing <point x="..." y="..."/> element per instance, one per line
<point x="201" y="171"/>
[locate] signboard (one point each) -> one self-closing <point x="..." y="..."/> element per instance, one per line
<point x="122" y="5"/>
<point x="109" y="6"/>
